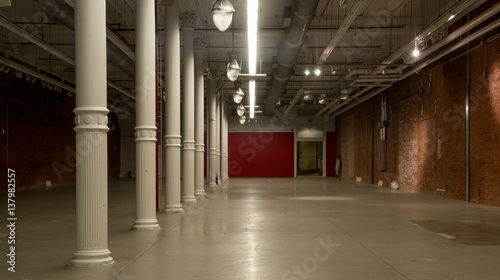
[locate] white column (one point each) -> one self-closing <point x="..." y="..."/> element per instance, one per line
<point x="217" y="141"/>
<point x="91" y="135"/>
<point x="188" y="141"/>
<point x="172" y="109"/>
<point x="212" y="110"/>
<point x="224" y="136"/>
<point x="145" y="129"/>
<point x="199" y="116"/>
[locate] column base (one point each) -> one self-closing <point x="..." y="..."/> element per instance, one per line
<point x="144" y="224"/>
<point x="188" y="199"/>
<point x="212" y="188"/>
<point x="200" y="193"/>
<point x="91" y="258"/>
<point x="173" y="209"/>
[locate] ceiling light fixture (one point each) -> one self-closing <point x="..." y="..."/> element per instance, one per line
<point x="222" y="14"/>
<point x="307" y="72"/>
<point x="317" y="71"/>
<point x="344" y="94"/>
<point x="240" y="110"/>
<point x="308" y="96"/>
<point x="233" y="69"/>
<point x="243" y="119"/>
<point x="238" y="96"/>
<point x="252" y="19"/>
<point x="322" y="99"/>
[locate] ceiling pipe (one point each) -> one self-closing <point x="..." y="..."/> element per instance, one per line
<point x="457" y="9"/>
<point x="354" y="72"/>
<point x="293" y="101"/>
<point x="50" y="49"/>
<point x="303" y="12"/>
<point x="64" y="14"/>
<point x="455" y="34"/>
<point x="492" y="26"/>
<point x="358" y="7"/>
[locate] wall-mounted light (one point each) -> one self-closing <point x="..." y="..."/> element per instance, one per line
<point x="222" y="14"/>
<point x="240" y="110"/>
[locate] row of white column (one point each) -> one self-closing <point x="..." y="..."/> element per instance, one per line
<point x="91" y="124"/>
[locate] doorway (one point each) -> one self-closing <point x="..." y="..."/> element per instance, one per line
<point x="309" y="158"/>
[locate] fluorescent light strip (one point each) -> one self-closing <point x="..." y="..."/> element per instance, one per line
<point x="252" y="18"/>
<point x="252" y="98"/>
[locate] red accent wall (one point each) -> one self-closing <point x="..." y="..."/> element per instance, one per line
<point x="330" y="154"/>
<point x="261" y="154"/>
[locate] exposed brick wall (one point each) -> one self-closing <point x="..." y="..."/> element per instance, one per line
<point x="485" y="126"/>
<point x="38" y="140"/>
<point x="407" y="144"/>
<point x="347" y="147"/>
<point x="426" y="132"/>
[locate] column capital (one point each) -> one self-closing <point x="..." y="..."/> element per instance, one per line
<point x="200" y="43"/>
<point x="188" y="145"/>
<point x="200" y="148"/>
<point x="145" y="133"/>
<point x="172" y="140"/>
<point x="187" y="19"/>
<point x="91" y="119"/>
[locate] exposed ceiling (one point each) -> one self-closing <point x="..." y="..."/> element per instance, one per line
<point x="361" y="47"/>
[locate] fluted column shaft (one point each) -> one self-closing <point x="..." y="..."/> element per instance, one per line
<point x="172" y="109"/>
<point x="218" y="139"/>
<point x="188" y="141"/>
<point x="224" y="137"/>
<point x="212" y="157"/>
<point x="145" y="129"/>
<point x="91" y="135"/>
<point x="199" y="188"/>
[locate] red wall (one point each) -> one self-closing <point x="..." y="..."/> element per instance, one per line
<point x="330" y="154"/>
<point x="261" y="154"/>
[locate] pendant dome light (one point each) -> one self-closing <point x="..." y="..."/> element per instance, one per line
<point x="222" y="14"/>
<point x="240" y="110"/>
<point x="233" y="69"/>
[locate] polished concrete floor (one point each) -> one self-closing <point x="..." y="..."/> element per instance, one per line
<point x="304" y="228"/>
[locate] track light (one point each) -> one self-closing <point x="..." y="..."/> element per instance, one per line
<point x="344" y="94"/>
<point x="222" y="14"/>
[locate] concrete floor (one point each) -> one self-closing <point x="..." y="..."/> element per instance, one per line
<point x="304" y="228"/>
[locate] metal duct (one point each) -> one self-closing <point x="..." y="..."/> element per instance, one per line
<point x="62" y="13"/>
<point x="302" y="14"/>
